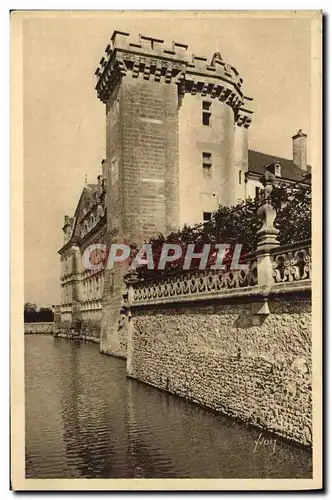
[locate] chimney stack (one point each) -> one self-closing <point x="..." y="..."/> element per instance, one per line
<point x="300" y="149"/>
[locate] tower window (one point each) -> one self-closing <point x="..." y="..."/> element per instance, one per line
<point x="206" y="113"/>
<point x="240" y="176"/>
<point x="257" y="189"/>
<point x="207" y="216"/>
<point x="207" y="163"/>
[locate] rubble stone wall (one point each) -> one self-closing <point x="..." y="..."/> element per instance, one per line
<point x="217" y="356"/>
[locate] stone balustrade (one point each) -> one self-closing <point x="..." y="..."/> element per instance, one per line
<point x="91" y="305"/>
<point x="193" y="285"/>
<point x="292" y="263"/>
<point x="271" y="268"/>
<point x="66" y="308"/>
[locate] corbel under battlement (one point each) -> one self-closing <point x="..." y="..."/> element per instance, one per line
<point x="152" y="59"/>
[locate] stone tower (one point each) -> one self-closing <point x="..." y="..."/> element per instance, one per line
<point x="176" y="146"/>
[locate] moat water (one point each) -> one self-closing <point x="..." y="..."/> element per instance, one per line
<point x="85" y="419"/>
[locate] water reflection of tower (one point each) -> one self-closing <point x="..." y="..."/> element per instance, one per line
<point x="69" y="389"/>
<point x="145" y="456"/>
<point x="87" y="452"/>
<point x="45" y="451"/>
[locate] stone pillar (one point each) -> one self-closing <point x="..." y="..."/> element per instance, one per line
<point x="77" y="271"/>
<point x="130" y="280"/>
<point x="267" y="234"/>
<point x="76" y="288"/>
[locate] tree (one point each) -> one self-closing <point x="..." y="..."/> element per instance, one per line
<point x="45" y="314"/>
<point x="240" y="224"/>
<point x="32" y="314"/>
<point x="29" y="307"/>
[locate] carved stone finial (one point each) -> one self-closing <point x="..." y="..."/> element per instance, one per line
<point x="130" y="278"/>
<point x="267" y="233"/>
<point x="268" y="181"/>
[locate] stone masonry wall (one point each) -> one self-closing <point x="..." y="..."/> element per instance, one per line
<point x="150" y="158"/>
<point x="39" y="328"/>
<point x="201" y="190"/>
<point x="110" y="341"/>
<point x="90" y="329"/>
<point x="213" y="355"/>
<point x="142" y="182"/>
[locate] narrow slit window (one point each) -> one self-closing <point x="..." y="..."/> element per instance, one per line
<point x="207" y="163"/>
<point x="206" y="113"/>
<point x="240" y="176"/>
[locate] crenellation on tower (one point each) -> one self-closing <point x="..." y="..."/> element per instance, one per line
<point x="151" y="58"/>
<point x="160" y="90"/>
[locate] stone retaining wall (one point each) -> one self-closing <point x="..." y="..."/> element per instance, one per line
<point x="67" y="335"/>
<point x="90" y="330"/>
<point x="219" y="356"/>
<point x="39" y="328"/>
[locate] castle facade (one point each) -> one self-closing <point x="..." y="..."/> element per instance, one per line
<point x="176" y="148"/>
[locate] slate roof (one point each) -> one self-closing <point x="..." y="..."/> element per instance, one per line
<point x="86" y="195"/>
<point x="289" y="171"/>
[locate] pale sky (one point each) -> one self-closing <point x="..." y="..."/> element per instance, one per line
<point x="64" y="122"/>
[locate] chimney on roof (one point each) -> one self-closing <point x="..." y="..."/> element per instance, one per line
<point x="300" y="149"/>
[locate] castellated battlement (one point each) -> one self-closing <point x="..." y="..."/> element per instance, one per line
<point x="151" y="58"/>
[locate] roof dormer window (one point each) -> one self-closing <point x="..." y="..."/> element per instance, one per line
<point x="277" y="170"/>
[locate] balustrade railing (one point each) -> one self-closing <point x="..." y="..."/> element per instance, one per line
<point x="196" y="283"/>
<point x="91" y="305"/>
<point x="292" y="262"/>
